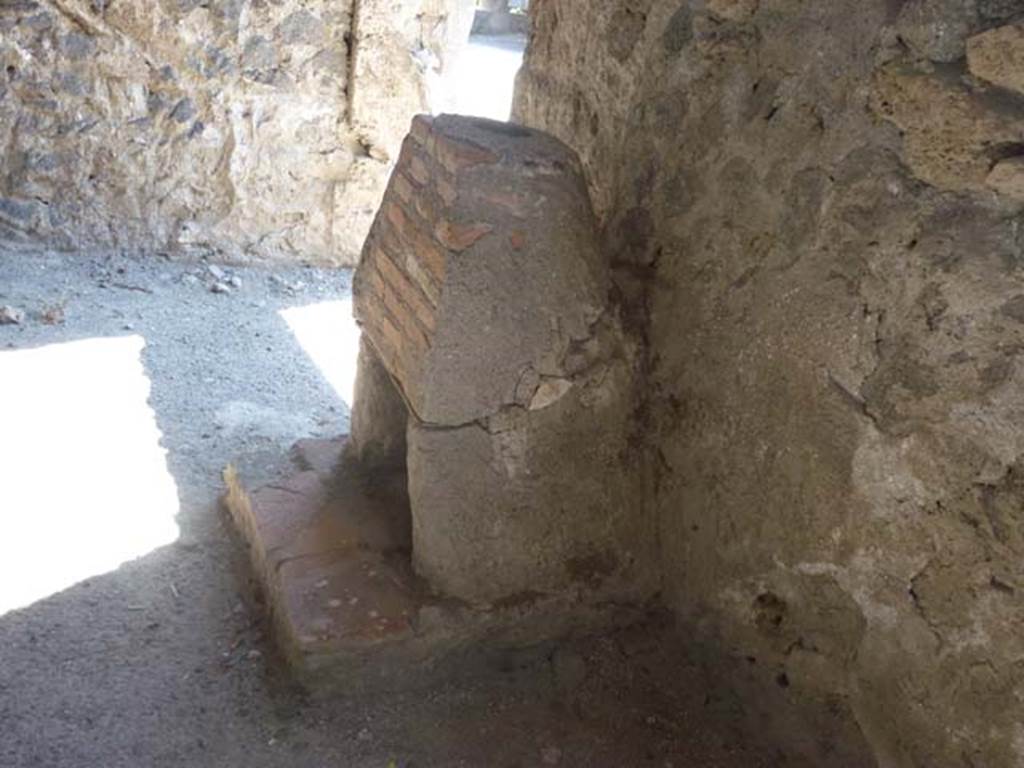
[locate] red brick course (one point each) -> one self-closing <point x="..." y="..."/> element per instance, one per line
<point x="405" y="260"/>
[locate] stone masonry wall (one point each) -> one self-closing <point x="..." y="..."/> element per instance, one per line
<point x="813" y="213"/>
<point x="241" y="128"/>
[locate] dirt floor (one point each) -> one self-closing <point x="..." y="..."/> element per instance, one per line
<point x="164" y="661"/>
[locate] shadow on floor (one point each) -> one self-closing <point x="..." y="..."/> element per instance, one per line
<point x="162" y="660"/>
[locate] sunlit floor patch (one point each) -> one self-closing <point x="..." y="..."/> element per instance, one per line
<point x="84" y="484"/>
<point x="485" y="77"/>
<point x="328" y="333"/>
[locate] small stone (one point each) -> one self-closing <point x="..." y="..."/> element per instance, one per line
<point x="216" y="272"/>
<point x="549" y="392"/>
<point x="334" y="603"/>
<point x="254" y="654"/>
<point x="189" y="279"/>
<point x="11" y="315"/>
<point x="235" y="281"/>
<point x="53" y="315"/>
<point x="364" y="735"/>
<point x="569" y="668"/>
<point x="551" y="755"/>
<point x="1007" y="178"/>
<point x="220" y="287"/>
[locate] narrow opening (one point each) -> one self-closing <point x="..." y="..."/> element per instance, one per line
<point x="482" y="81"/>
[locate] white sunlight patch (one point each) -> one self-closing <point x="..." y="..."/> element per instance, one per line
<point x="328" y="333"/>
<point x="484" y="79"/>
<point x="84" y="483"/>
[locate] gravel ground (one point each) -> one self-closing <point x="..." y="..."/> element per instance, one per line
<point x="163" y="660"/>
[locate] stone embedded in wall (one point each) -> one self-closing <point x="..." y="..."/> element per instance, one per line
<point x="1007" y="178"/>
<point x="483" y="290"/>
<point x="950" y="131"/>
<point x="734" y="10"/>
<point x="936" y="29"/>
<point x="213" y="128"/>
<point x="998" y="56"/>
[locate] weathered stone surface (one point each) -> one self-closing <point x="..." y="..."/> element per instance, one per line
<point x="734" y="10"/>
<point x="534" y="502"/>
<point x="483" y="289"/>
<point x="11" y="315"/>
<point x="950" y="130"/>
<point x="998" y="56"/>
<point x="253" y="130"/>
<point x="797" y="208"/>
<point x="1007" y="178"/>
<point x="379" y="414"/>
<point x="936" y="29"/>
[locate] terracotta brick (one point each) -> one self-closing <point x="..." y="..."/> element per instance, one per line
<point x="459" y="237"/>
<point x="404" y="187"/>
<point x="422" y="128"/>
<point x="446" y="190"/>
<point x="427" y="205"/>
<point x="398" y="217"/>
<point x="430" y="254"/>
<point x="389" y="341"/>
<point x="403" y="254"/>
<point x="418" y="169"/>
<point x="415" y="340"/>
<point x="405" y="229"/>
<point x="406" y="154"/>
<point x="515" y="204"/>
<point x="456" y="155"/>
<point x="407" y="291"/>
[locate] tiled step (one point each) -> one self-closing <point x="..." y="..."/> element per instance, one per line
<point x="330" y="548"/>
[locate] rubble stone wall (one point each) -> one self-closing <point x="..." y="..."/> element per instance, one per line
<point x="247" y="129"/>
<point x="813" y="214"/>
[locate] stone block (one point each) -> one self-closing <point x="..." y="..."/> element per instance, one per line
<point x="998" y="56"/>
<point x="1007" y="178"/>
<point x="378" y="414"/>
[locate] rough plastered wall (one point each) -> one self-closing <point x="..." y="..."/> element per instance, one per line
<point x="814" y="212"/>
<point x="249" y="129"/>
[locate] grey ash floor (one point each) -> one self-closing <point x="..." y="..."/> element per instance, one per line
<point x="165" y="662"/>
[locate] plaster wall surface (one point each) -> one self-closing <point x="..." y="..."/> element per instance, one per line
<point x="812" y="212"/>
